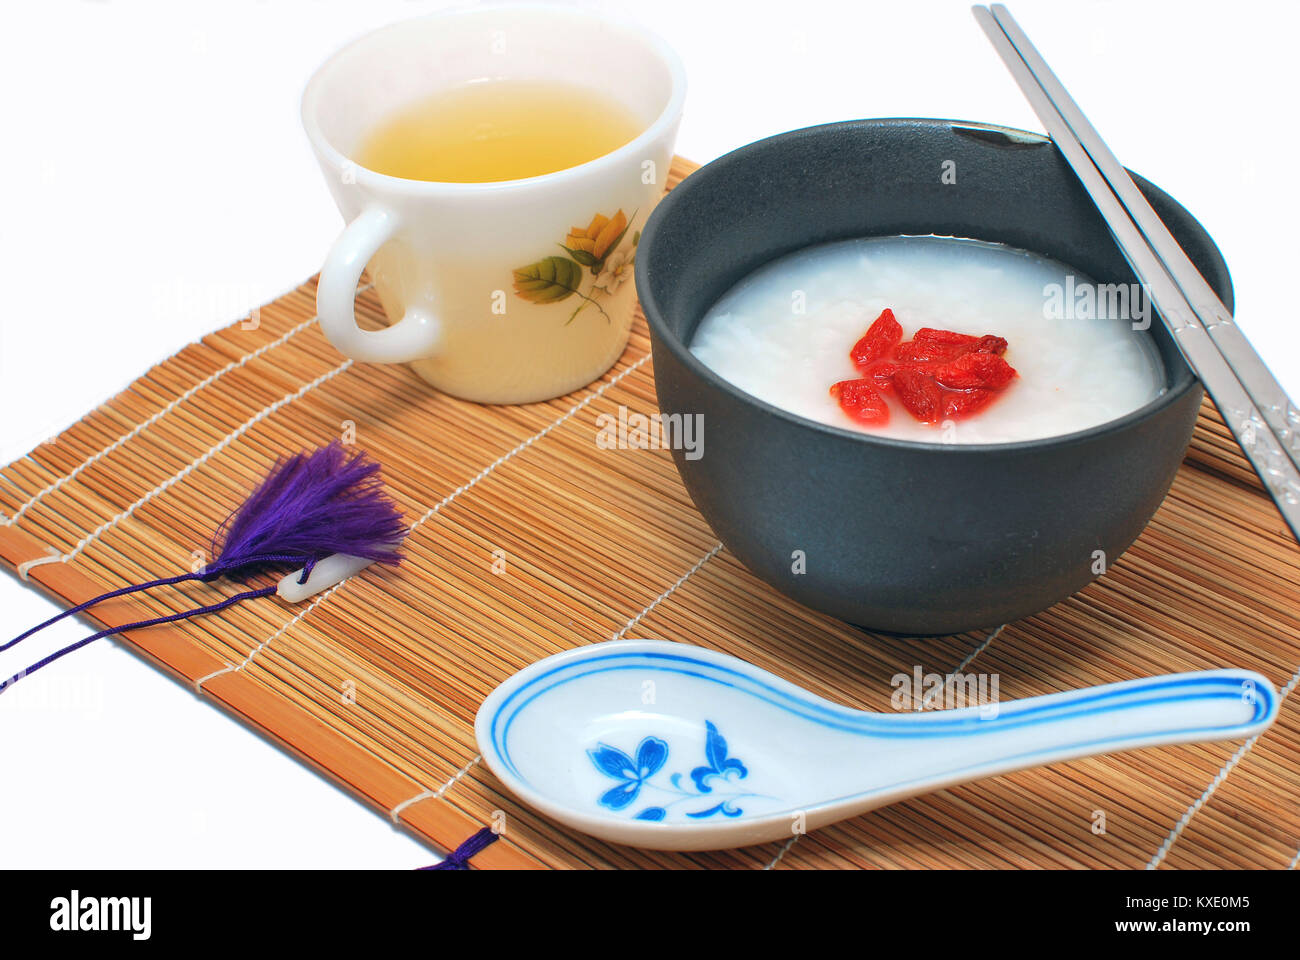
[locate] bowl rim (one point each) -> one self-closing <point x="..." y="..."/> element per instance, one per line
<point x="1184" y="381"/>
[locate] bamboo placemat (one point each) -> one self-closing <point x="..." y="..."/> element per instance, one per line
<point x="528" y="540"/>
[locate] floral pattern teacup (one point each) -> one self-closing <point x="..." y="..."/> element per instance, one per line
<point x="489" y="290"/>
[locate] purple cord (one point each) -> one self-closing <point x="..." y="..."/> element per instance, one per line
<point x="211" y="573"/>
<point x="169" y="618"/>
<point x="308" y="507"/>
<point x="459" y="858"/>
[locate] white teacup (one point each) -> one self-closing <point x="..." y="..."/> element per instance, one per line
<point x="450" y="260"/>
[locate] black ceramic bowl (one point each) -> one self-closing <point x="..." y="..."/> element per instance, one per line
<point x="897" y="536"/>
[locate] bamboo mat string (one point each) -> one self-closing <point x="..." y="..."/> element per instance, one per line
<point x="637" y="618"/>
<point x="978" y="650"/>
<point x="780" y="854"/>
<point x="168" y="408"/>
<point x="288" y="625"/>
<point x="437" y="507"/>
<point x="524" y="445"/>
<point x="966" y="662"/>
<point x="212" y="451"/>
<point x="1158" y="857"/>
<point x="667" y="593"/>
<point x="396" y="813"/>
<point x="52" y="555"/>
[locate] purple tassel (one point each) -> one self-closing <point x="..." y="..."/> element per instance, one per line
<point x="308" y="507"/>
<point x="459" y="858"/>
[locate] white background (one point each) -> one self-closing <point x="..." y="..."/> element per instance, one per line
<point x="156" y="185"/>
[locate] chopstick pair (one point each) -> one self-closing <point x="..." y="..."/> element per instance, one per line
<point x="1255" y="408"/>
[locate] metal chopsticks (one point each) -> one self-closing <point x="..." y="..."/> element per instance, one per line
<point x="1255" y="407"/>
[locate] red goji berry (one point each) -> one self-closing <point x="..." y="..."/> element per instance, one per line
<point x="962" y="403"/>
<point x="937" y="374"/>
<point x="986" y="370"/>
<point x="920" y="393"/>
<point x="945" y="336"/>
<point x="930" y="344"/>
<point x="927" y="351"/>
<point x="861" y="401"/>
<point x="881" y="373"/>
<point x="884" y="333"/>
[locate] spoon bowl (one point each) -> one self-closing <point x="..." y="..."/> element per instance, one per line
<point x="670" y="746"/>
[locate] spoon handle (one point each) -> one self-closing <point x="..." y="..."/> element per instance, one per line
<point x="1176" y="708"/>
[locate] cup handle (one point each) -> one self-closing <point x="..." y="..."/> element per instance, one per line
<point x="411" y="338"/>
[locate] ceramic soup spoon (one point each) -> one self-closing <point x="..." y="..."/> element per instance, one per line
<point x="674" y="747"/>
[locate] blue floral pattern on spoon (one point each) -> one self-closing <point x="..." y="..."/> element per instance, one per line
<point x="635" y="773"/>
